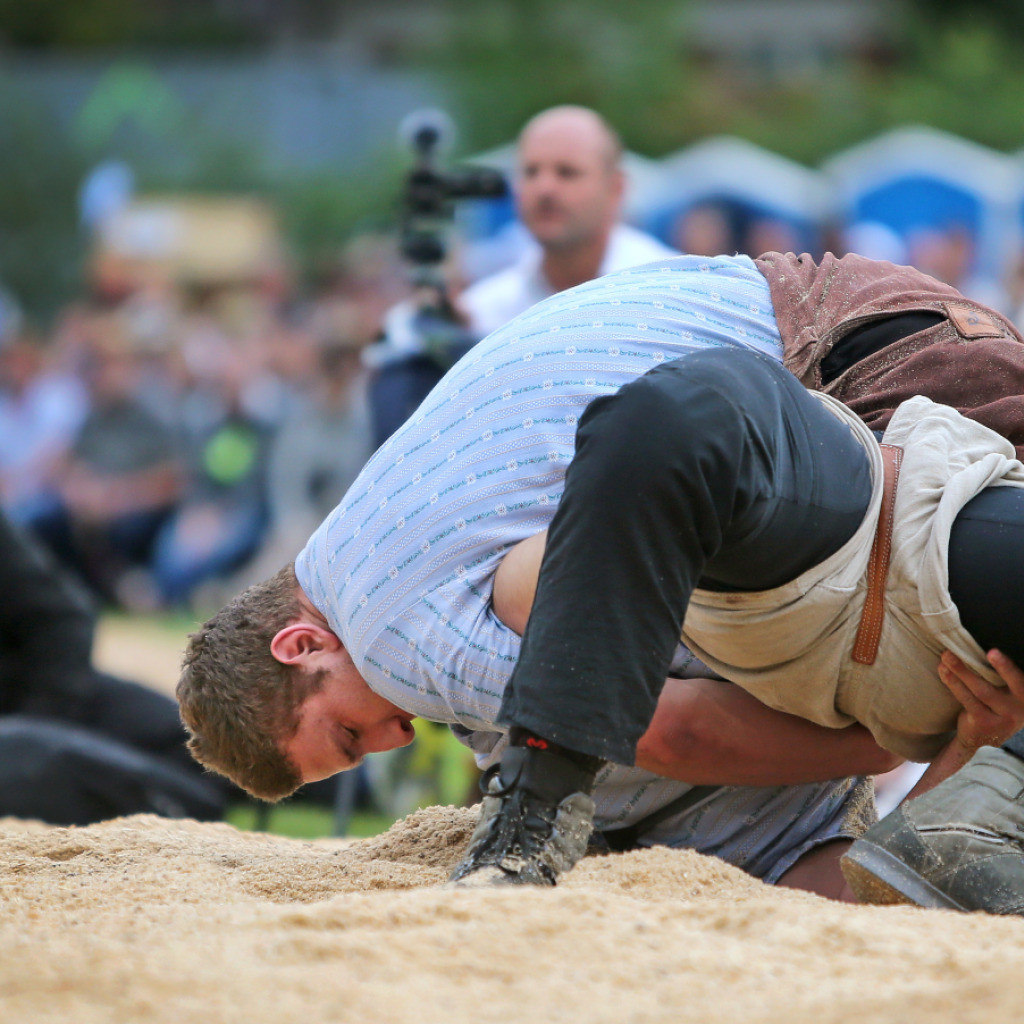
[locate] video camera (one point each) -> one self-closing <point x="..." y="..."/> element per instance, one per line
<point x="429" y="196"/>
<point x="423" y="338"/>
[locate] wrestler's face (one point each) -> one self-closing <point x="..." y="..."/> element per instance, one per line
<point x="569" y="188"/>
<point x="342" y="722"/>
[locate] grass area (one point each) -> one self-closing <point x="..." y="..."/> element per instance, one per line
<point x="146" y="649"/>
<point x="304" y="820"/>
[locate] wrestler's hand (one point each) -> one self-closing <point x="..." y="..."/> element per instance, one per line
<point x="991" y="714"/>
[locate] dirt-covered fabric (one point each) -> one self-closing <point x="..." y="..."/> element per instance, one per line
<point x="973" y="360"/>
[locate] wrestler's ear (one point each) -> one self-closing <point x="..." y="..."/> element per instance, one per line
<point x="299" y="641"/>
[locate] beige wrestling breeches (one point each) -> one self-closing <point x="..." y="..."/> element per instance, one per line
<point x="791" y="646"/>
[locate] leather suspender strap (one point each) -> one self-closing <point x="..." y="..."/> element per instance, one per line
<point x="865" y="646"/>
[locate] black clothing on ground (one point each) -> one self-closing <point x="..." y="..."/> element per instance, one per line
<point x="987" y="535"/>
<point x="46" y="633"/>
<point x="66" y="775"/>
<point x="67" y="715"/>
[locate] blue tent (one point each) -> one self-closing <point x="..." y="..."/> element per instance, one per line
<point x="748" y="186"/>
<point x="917" y="179"/>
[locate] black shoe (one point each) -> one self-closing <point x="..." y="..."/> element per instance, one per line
<point x="536" y="819"/>
<point x="960" y="846"/>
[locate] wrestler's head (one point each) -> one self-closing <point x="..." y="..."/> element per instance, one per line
<point x="569" y="183"/>
<point x="271" y="698"/>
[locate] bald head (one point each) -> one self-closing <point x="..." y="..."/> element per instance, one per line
<point x="569" y="183"/>
<point x="582" y="128"/>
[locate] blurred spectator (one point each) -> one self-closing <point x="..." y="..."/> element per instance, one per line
<point x="769" y="234"/>
<point x="41" y="411"/>
<point x="322" y="447"/>
<point x="1015" y="293"/>
<point x="315" y="456"/>
<point x="282" y="366"/>
<point x="874" y="240"/>
<point x="721" y="226"/>
<point x="220" y="521"/>
<point x="120" y="479"/>
<point x="949" y="255"/>
<point x="704" y="229"/>
<point x="569" y="191"/>
<point x="355" y="295"/>
<point x="105" y="191"/>
<point x="11" y="319"/>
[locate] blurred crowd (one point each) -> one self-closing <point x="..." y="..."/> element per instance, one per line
<point x="172" y="442"/>
<point x="177" y="434"/>
<point x="164" y="435"/>
<point x="948" y="252"/>
<point x="172" y="439"/>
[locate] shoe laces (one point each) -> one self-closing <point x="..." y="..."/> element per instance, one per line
<point x="520" y="828"/>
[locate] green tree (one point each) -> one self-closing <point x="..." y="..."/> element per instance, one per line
<point x="507" y="59"/>
<point x="41" y="249"/>
<point x="1004" y="16"/>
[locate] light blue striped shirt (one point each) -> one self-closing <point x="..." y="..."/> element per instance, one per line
<point x="403" y="567"/>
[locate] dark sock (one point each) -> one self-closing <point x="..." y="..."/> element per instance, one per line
<point x="545" y="769"/>
<point x="520" y="737"/>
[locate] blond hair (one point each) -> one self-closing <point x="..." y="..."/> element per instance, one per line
<point x="236" y="699"/>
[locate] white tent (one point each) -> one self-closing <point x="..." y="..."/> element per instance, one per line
<point x="732" y="170"/>
<point x="917" y="177"/>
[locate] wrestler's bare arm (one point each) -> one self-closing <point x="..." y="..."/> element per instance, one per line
<point x="708" y="732"/>
<point x="515" y="582"/>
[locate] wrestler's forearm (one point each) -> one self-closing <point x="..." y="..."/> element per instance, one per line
<point x="991" y="714"/>
<point x="709" y="732"/>
<point x="950" y="759"/>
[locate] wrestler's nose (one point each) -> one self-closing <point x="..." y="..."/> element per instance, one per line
<point x="390" y="735"/>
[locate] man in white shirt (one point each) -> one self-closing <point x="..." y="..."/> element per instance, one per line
<point x="569" y="190"/>
<point x="395" y="597"/>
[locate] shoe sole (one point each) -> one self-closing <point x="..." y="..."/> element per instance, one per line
<point x="482" y="878"/>
<point x="876" y="876"/>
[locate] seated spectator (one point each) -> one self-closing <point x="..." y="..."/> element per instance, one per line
<point x="41" y="411"/>
<point x="315" y="456"/>
<point x="950" y="255"/>
<point x="321" y="449"/>
<point x="120" y="480"/>
<point x="570" y="185"/>
<point x="769" y="234"/>
<point x="221" y="519"/>
<point x="704" y="229"/>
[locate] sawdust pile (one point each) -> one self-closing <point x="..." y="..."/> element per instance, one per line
<point x="147" y="920"/>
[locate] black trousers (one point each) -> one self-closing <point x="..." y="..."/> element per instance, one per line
<point x="719" y="469"/>
<point x="986" y="575"/>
